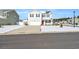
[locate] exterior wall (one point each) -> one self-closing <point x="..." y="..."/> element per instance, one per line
<point x="34" y="20"/>
<point x="11" y="19"/>
<point x="38" y="20"/>
<point x="71" y="21"/>
<point x="47" y="18"/>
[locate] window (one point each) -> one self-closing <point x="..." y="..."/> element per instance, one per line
<point x="48" y="15"/>
<point x="48" y="21"/>
<point x="37" y="15"/>
<point x="4" y="14"/>
<point x="31" y="15"/>
<point x="43" y="15"/>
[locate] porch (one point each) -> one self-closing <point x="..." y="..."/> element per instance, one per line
<point x="46" y="22"/>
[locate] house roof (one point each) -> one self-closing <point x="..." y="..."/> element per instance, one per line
<point x="3" y="11"/>
<point x="35" y="11"/>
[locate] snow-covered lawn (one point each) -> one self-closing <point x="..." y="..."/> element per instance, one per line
<point x="8" y="28"/>
<point x="58" y="29"/>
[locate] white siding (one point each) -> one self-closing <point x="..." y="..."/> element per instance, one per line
<point x="34" y="20"/>
<point x="36" y="17"/>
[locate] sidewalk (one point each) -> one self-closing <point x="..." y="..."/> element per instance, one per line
<point x="57" y="29"/>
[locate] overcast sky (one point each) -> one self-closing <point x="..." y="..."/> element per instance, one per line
<point x="56" y="13"/>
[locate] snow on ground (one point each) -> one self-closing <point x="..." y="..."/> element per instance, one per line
<point x="51" y="29"/>
<point x="58" y="29"/>
<point x="8" y="28"/>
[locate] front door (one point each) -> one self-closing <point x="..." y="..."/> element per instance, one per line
<point x="42" y="23"/>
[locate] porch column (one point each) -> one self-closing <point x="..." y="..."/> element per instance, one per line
<point x="44" y="22"/>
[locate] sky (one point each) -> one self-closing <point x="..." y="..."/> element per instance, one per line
<point x="56" y="13"/>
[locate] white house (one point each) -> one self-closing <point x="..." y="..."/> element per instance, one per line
<point x="39" y="18"/>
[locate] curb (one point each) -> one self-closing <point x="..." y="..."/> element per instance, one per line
<point x="60" y="31"/>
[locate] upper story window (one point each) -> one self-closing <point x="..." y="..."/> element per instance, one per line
<point x="43" y="15"/>
<point x="37" y="15"/>
<point x="4" y="14"/>
<point x="48" y="15"/>
<point x="31" y="15"/>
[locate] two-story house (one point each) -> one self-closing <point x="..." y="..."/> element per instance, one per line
<point x="40" y="18"/>
<point x="8" y="17"/>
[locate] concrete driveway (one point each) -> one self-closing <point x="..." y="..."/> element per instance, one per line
<point x="25" y="30"/>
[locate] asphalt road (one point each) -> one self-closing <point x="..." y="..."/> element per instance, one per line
<point x="40" y="41"/>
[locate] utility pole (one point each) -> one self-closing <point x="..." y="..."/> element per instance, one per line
<point x="74" y="18"/>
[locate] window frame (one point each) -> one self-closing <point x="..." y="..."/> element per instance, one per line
<point x="37" y="15"/>
<point x="31" y="15"/>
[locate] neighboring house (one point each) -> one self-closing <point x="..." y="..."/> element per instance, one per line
<point x="40" y="18"/>
<point x="8" y="17"/>
<point x="71" y="21"/>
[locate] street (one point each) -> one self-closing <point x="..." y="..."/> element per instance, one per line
<point x="40" y="41"/>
